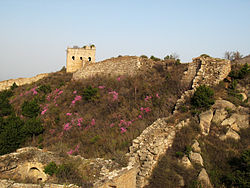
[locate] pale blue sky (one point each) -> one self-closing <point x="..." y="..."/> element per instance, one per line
<point x="34" y="34"/>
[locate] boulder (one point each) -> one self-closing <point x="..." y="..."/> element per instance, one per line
<point x="186" y="162"/>
<point x="205" y="121"/>
<point x="241" y="120"/>
<point x="244" y="96"/>
<point x="196" y="158"/>
<point x="223" y="104"/>
<point x="220" y="115"/>
<point x="230" y="134"/>
<point x="196" y="146"/>
<point x="204" y="179"/>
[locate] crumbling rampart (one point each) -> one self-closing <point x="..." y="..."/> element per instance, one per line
<point x="203" y="71"/>
<point x="6" y="84"/>
<point x="125" y="65"/>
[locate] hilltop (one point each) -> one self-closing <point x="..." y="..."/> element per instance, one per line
<point x="128" y="120"/>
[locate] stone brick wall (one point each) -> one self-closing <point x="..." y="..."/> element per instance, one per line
<point x="6" y="84"/>
<point x="77" y="57"/>
<point x="204" y="71"/>
<point x="150" y="145"/>
<point x="126" y="65"/>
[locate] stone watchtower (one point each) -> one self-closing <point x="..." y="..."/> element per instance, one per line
<point x="77" y="57"/>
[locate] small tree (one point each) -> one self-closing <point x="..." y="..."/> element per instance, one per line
<point x="203" y="97"/>
<point x="30" y="108"/>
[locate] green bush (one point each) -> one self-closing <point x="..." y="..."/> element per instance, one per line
<point x="44" y="88"/>
<point x="14" y="86"/>
<point x="144" y="56"/>
<point x="32" y="127"/>
<point x="50" y="168"/>
<point x="30" y="108"/>
<point x="155" y="58"/>
<point x="240" y="74"/>
<point x="240" y="171"/>
<point x="203" y="97"/>
<point x="11" y="136"/>
<point x="204" y="55"/>
<point x="5" y="107"/>
<point x="90" y="93"/>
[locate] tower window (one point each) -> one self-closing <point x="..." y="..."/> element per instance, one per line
<point x="89" y="58"/>
<point x="73" y="57"/>
<point x="80" y="58"/>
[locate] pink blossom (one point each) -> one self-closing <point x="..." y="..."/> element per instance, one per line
<point x="67" y="127"/>
<point x="57" y="90"/>
<point x="56" y="104"/>
<point x="142" y="109"/>
<point x="111" y="125"/>
<point x="34" y="92"/>
<point x="123" y="130"/>
<point x="140" y="116"/>
<point x="157" y="95"/>
<point x="52" y="131"/>
<point x="69" y="114"/>
<point x="129" y="123"/>
<point x="147" y="98"/>
<point x="74" y="92"/>
<point x="48" y="97"/>
<point x="21" y="94"/>
<point x="70" y="152"/>
<point x="119" y="79"/>
<point x="101" y="87"/>
<point x="147" y="109"/>
<point x="44" y="109"/>
<point x="73" y="102"/>
<point x="77" y="148"/>
<point x="115" y="95"/>
<point x="60" y="92"/>
<point x="93" y="122"/>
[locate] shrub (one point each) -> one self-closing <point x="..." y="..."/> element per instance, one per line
<point x="44" y="88"/>
<point x="204" y="55"/>
<point x="30" y="108"/>
<point x="33" y="126"/>
<point x="155" y="58"/>
<point x="90" y="93"/>
<point x="10" y="136"/>
<point x="144" y="56"/>
<point x="14" y="86"/>
<point x="50" y="168"/>
<point x="240" y="74"/>
<point x="5" y="107"/>
<point x="203" y="97"/>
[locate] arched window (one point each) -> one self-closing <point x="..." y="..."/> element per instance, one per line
<point x="89" y="58"/>
<point x="80" y="58"/>
<point x="73" y="57"/>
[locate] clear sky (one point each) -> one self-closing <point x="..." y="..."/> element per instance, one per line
<point x="34" y="34"/>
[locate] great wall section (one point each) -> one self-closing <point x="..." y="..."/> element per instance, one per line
<point x="6" y="84"/>
<point x="154" y="141"/>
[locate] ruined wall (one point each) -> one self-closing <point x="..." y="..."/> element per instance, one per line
<point x="126" y="65"/>
<point x="203" y="71"/>
<point x="150" y="145"/>
<point x="6" y="84"/>
<point x="77" y="57"/>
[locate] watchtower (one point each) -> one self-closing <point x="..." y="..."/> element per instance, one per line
<point x="77" y="57"/>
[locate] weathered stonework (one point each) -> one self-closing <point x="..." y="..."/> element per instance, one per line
<point x="203" y="71"/>
<point x="77" y="57"/>
<point x="6" y="84"/>
<point x="125" y="65"/>
<point x="150" y="145"/>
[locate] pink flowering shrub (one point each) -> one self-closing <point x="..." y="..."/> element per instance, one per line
<point x="147" y="98"/>
<point x="101" y="87"/>
<point x="115" y="95"/>
<point x="67" y="127"/>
